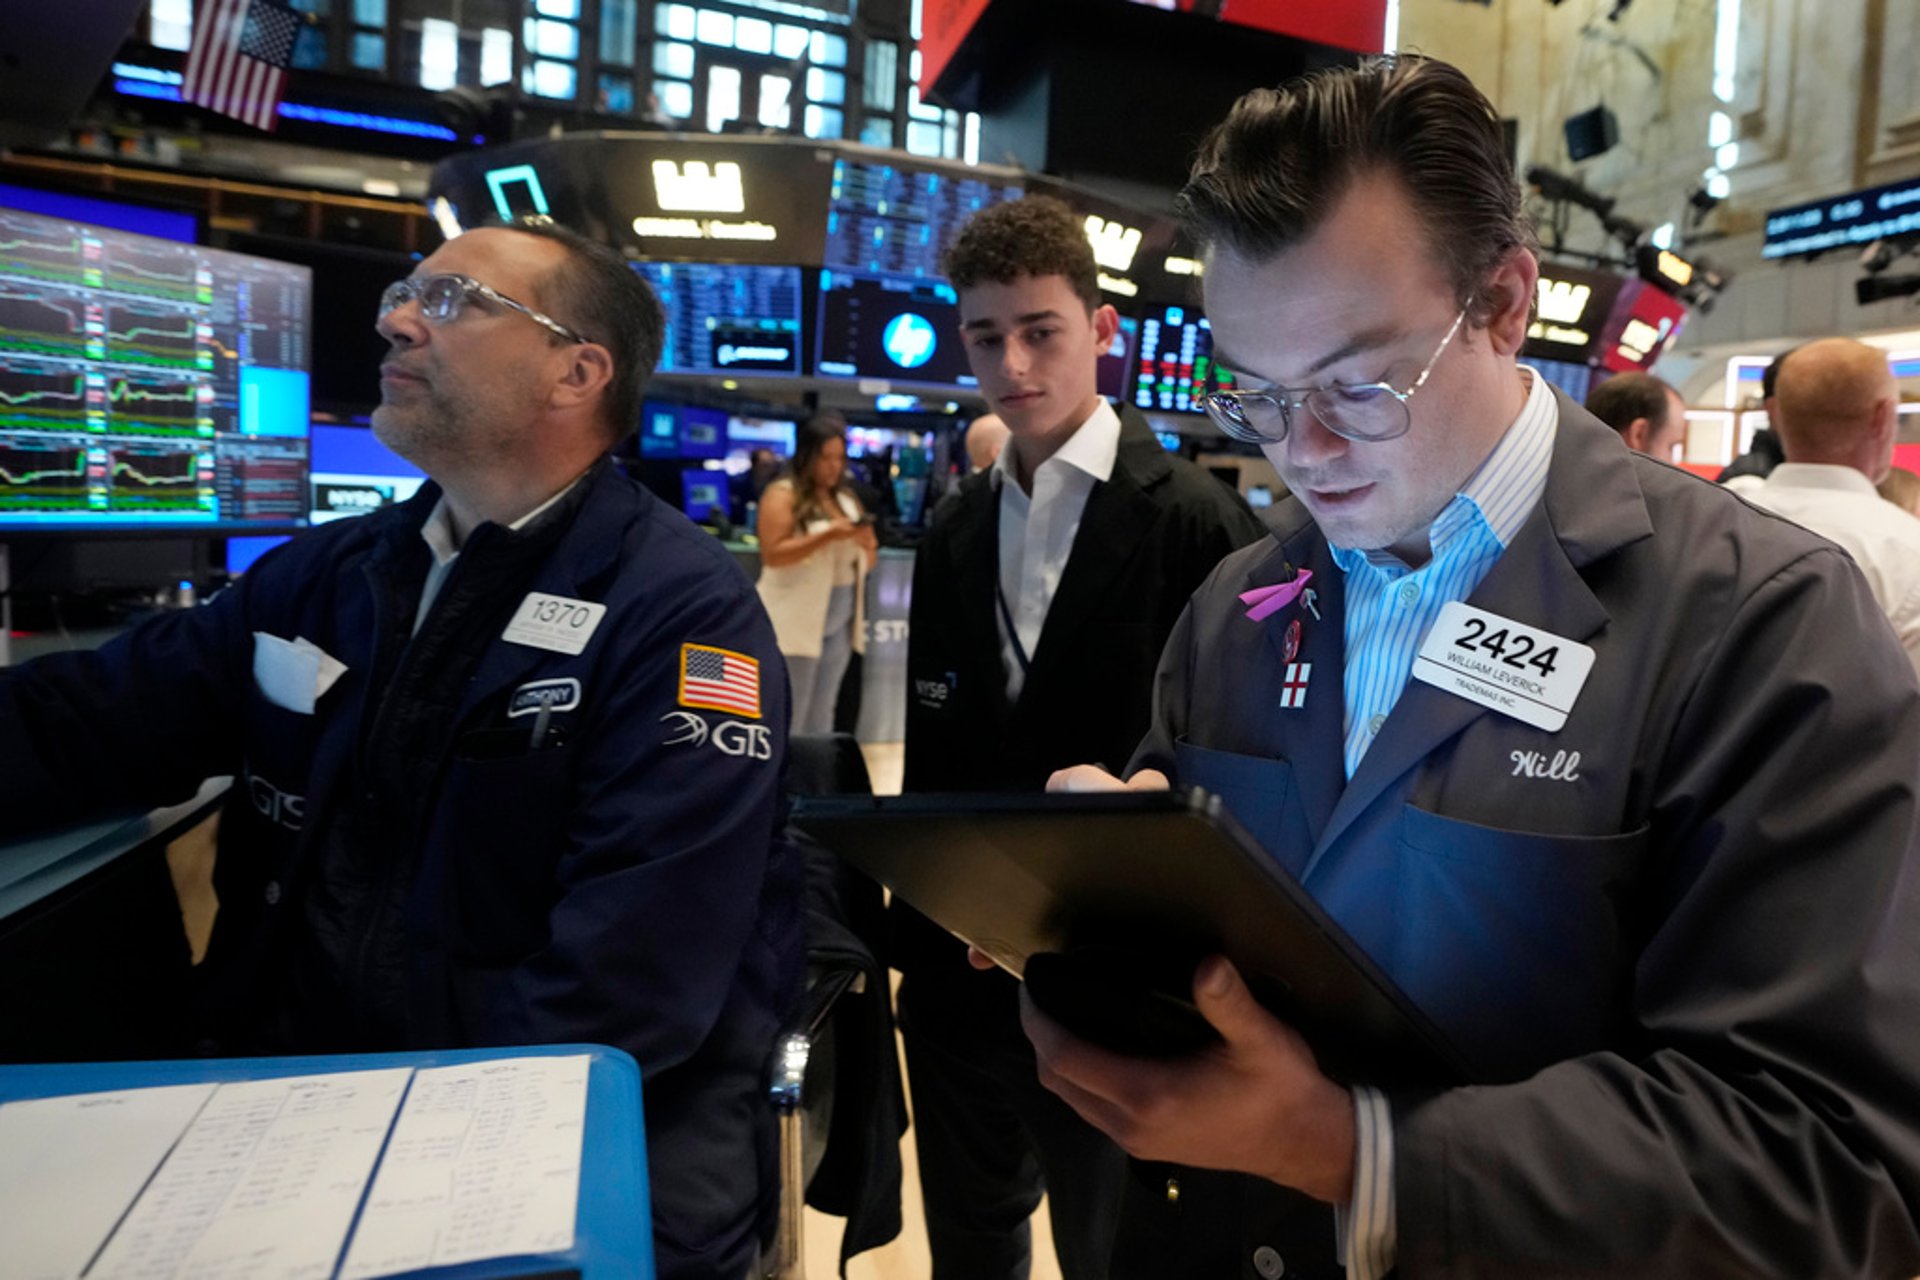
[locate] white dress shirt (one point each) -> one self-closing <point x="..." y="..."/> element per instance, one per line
<point x="1037" y="531"/>
<point x="1841" y="505"/>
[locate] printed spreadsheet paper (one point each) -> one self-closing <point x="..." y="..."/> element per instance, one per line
<point x="69" y="1167"/>
<point x="262" y="1178"/>
<point x="484" y="1163"/>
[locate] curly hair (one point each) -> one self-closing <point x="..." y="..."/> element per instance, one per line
<point x="1033" y="236"/>
<point x="1269" y="175"/>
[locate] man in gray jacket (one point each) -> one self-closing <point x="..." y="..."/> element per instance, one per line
<point x="1613" y="774"/>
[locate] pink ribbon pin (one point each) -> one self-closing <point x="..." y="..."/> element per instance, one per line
<point x="1267" y="601"/>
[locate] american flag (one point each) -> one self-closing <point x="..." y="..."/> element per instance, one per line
<point x="719" y="679"/>
<point x="238" y="63"/>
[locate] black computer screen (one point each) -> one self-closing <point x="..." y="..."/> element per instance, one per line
<point x="729" y="319"/>
<point x="890" y="328"/>
<point x="146" y="383"/>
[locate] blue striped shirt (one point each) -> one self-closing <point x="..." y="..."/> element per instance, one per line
<point x="1390" y="609"/>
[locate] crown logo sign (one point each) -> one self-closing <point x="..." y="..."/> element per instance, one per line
<point x="696" y="188"/>
<point x="1114" y="243"/>
<point x="1563" y="302"/>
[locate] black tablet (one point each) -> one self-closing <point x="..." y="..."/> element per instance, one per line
<point x="1104" y="902"/>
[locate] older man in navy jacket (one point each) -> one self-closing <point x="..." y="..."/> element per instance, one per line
<point x="507" y="757"/>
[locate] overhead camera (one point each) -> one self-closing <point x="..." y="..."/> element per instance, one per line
<point x="1869" y="289"/>
<point x="1881" y="254"/>
<point x="1565" y="190"/>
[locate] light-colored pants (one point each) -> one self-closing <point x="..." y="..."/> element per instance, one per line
<point x="815" y="682"/>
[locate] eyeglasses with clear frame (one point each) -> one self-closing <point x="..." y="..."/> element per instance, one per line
<point x="443" y="296"/>
<point x="1365" y="412"/>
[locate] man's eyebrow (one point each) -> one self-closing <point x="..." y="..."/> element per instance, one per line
<point x="1373" y="339"/>
<point x="1029" y="318"/>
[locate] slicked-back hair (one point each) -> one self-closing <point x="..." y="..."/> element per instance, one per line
<point x="1269" y="174"/>
<point x="1034" y="236"/>
<point x="1627" y="396"/>
<point x="598" y="295"/>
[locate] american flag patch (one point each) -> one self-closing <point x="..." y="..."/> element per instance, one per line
<point x="719" y="679"/>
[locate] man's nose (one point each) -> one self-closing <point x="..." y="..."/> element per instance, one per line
<point x="1309" y="443"/>
<point x="404" y="325"/>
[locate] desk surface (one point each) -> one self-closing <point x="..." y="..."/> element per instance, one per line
<point x="42" y="864"/>
<point x="612" y="1237"/>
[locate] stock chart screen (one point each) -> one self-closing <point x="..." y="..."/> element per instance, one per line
<point x="899" y="219"/>
<point x="145" y="382"/>
<point x="727" y="318"/>
<point x="1176" y="355"/>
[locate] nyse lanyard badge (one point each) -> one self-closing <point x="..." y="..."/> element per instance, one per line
<point x="1532" y="675"/>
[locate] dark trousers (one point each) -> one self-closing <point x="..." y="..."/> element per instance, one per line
<point x="991" y="1138"/>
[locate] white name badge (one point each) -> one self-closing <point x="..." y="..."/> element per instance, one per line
<point x="554" y="622"/>
<point x="1532" y="675"/>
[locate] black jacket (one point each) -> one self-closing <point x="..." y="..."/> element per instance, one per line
<point x="1149" y="536"/>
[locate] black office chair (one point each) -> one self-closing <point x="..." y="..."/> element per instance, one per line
<point x="834" y="1081"/>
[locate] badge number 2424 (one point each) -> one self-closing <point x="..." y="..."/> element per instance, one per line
<point x="1515" y="648"/>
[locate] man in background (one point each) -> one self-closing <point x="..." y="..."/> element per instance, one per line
<point x="1837" y="410"/>
<point x="1649" y="414"/>
<point x="986" y="436"/>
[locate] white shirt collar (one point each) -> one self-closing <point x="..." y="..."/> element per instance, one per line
<point x="1821" y="475"/>
<point x="437" y="532"/>
<point x="1093" y="448"/>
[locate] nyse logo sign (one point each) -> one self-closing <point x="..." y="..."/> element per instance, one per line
<point x="1114" y="243"/>
<point x="698" y="188"/>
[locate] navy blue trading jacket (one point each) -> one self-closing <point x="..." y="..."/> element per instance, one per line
<point x="621" y="884"/>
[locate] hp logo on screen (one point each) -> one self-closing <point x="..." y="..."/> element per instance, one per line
<point x="909" y="340"/>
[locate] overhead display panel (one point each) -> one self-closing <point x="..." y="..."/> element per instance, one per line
<point x="898" y="219"/>
<point x="700" y="200"/>
<point x="1858" y="218"/>
<point x="890" y="329"/>
<point x="728" y="319"/>
<point x="1571" y="308"/>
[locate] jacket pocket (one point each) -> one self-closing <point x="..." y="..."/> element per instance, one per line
<point x="1258" y="791"/>
<point x="1514" y="941"/>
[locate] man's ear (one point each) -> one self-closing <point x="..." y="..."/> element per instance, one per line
<point x="588" y="373"/>
<point x="1106" y="323"/>
<point x="1637" y="435"/>
<point x="1509" y="290"/>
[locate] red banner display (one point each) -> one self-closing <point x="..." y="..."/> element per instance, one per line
<point x="943" y="26"/>
<point x="1359" y="25"/>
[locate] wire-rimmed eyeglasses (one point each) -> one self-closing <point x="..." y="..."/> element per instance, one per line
<point x="443" y="295"/>
<point x="1367" y="412"/>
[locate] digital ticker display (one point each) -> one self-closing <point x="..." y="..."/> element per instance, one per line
<point x="728" y="318"/>
<point x="897" y="219"/>
<point x="891" y="329"/>
<point x="1176" y="357"/>
<point x="148" y="382"/>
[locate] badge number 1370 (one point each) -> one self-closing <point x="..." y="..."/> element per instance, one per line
<point x="555" y="623"/>
<point x="1532" y="675"/>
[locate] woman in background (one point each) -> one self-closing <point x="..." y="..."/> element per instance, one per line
<point x="816" y="545"/>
